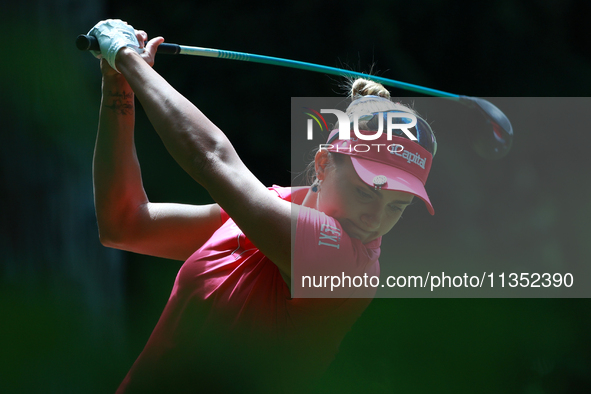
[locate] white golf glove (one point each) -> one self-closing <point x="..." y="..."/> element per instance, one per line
<point x="112" y="35"/>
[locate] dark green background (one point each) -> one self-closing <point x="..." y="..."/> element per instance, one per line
<point x="75" y="315"/>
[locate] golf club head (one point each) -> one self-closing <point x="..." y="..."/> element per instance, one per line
<point x="495" y="143"/>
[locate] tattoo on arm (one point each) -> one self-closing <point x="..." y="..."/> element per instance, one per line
<point x="121" y="102"/>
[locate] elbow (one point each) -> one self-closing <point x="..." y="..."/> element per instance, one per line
<point x="205" y="164"/>
<point x="109" y="238"/>
<point x="115" y="226"/>
<point x="112" y="235"/>
<point x="105" y="241"/>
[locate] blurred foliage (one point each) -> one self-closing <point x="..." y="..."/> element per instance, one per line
<point x="76" y="315"/>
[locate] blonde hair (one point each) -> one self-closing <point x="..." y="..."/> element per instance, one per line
<point x="379" y="100"/>
<point x="368" y="97"/>
<point x="363" y="87"/>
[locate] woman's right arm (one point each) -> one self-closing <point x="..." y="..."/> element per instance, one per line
<point x="127" y="220"/>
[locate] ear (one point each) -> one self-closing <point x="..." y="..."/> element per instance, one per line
<point x="321" y="163"/>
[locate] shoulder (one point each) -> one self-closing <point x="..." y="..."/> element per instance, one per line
<point x="291" y="194"/>
<point x="284" y="193"/>
<point x="329" y="233"/>
<point x="324" y="254"/>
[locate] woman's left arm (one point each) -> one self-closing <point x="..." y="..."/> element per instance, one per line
<point x="203" y="150"/>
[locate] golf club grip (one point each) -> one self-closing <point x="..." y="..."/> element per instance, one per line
<point x="90" y="43"/>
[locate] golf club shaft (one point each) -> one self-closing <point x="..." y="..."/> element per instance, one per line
<point x="85" y="42"/>
<point x="493" y="143"/>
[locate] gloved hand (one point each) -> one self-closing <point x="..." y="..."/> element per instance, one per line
<point x="112" y="35"/>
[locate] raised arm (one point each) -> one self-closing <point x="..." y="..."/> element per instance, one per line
<point x="208" y="156"/>
<point x="126" y="218"/>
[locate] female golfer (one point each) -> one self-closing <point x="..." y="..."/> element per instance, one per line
<point x="230" y="317"/>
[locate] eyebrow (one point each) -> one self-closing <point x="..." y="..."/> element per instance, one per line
<point x="402" y="202"/>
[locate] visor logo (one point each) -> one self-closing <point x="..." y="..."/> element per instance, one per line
<point x="410" y="157"/>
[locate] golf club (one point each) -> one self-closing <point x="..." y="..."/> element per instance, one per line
<point x="490" y="145"/>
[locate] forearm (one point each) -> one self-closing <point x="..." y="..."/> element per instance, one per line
<point x="118" y="189"/>
<point x="189" y="136"/>
<point x="197" y="144"/>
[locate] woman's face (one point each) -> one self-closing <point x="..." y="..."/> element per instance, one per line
<point x="363" y="212"/>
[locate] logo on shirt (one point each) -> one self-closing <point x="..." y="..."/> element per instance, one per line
<point x="329" y="236"/>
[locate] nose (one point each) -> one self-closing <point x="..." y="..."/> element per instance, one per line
<point x="372" y="217"/>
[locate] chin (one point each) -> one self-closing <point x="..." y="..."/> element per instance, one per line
<point x="355" y="232"/>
